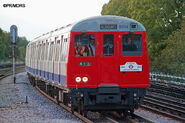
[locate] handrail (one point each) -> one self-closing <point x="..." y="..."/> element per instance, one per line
<point x="166" y="77"/>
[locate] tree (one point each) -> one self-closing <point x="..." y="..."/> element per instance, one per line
<point x="21" y="50"/>
<point x="172" y="58"/>
<point x="6" y="50"/>
<point x="116" y="7"/>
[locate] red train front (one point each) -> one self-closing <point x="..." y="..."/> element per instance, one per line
<point x="108" y="65"/>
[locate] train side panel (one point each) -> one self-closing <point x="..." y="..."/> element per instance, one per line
<point x="43" y="62"/>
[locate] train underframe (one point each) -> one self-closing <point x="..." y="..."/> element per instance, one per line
<point x="121" y="100"/>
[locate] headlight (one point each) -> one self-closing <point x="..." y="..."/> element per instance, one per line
<point x="85" y="79"/>
<point x="135" y="95"/>
<point x="78" y="79"/>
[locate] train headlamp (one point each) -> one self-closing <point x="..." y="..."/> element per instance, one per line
<point x="85" y="79"/>
<point x="135" y="95"/>
<point x="77" y="79"/>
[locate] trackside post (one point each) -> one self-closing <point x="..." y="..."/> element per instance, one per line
<point x="13" y="38"/>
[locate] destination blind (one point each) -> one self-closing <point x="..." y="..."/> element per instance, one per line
<point x="108" y="26"/>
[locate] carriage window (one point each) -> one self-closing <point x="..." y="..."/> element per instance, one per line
<point x="108" y="45"/>
<point x="51" y="51"/>
<point x="132" y="45"/>
<point x="85" y="45"/>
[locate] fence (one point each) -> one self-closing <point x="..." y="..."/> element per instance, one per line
<point x="157" y="76"/>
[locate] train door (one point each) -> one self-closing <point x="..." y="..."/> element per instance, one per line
<point x="56" y="59"/>
<point x="83" y="61"/>
<point x="132" y="62"/>
<point x="108" y="58"/>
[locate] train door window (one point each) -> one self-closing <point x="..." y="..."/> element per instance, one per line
<point x="85" y="45"/>
<point x="64" y="49"/>
<point x="37" y="47"/>
<point x="46" y="50"/>
<point x="39" y="51"/>
<point x="34" y="51"/>
<point x="40" y="54"/>
<point x="51" y="51"/>
<point x="108" y="45"/>
<point x="57" y="50"/>
<point x="31" y="51"/>
<point x="43" y="51"/>
<point x="61" y="49"/>
<point x="132" y="45"/>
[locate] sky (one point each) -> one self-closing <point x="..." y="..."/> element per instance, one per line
<point x="42" y="16"/>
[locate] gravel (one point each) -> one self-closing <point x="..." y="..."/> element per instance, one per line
<point x="39" y="109"/>
<point x="156" y="118"/>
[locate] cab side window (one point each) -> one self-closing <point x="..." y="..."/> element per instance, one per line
<point x="108" y="45"/>
<point x="132" y="45"/>
<point x="84" y="45"/>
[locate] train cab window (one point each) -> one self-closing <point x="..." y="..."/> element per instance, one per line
<point x="85" y="45"/>
<point x="108" y="45"/>
<point x="132" y="45"/>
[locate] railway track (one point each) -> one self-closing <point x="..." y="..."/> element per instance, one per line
<point x="84" y="119"/>
<point x="116" y="118"/>
<point x="165" y="98"/>
<point x="165" y="105"/>
<point x="170" y="89"/>
<point x="4" y="72"/>
<point x="135" y="119"/>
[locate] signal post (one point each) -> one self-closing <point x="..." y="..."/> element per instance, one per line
<point x="13" y="38"/>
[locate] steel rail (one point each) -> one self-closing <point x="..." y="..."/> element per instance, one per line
<point x="170" y="93"/>
<point x="166" y="111"/>
<point x="64" y="106"/>
<point x="163" y="113"/>
<point x="165" y="107"/>
<point x="171" y="100"/>
<point x="116" y="118"/>
<point x="9" y="72"/>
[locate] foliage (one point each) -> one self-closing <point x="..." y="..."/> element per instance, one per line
<point x="172" y="58"/>
<point x="116" y="7"/>
<point x="6" y="50"/>
<point x="161" y="18"/>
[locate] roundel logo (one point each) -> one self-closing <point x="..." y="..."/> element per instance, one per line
<point x="130" y="66"/>
<point x="92" y="36"/>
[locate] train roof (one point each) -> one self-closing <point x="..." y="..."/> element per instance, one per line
<point x="107" y="23"/>
<point x="98" y="24"/>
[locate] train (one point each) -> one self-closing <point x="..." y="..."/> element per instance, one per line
<point x="99" y="63"/>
